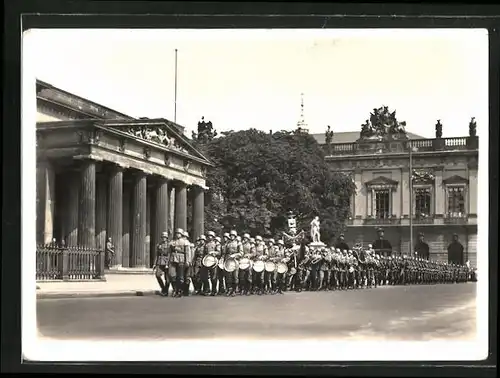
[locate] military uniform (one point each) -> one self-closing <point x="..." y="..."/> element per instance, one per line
<point x="179" y="259"/>
<point x="278" y="279"/>
<point x="245" y="279"/>
<point x="209" y="275"/>
<point x="198" y="265"/>
<point x="268" y="276"/>
<point x="233" y="248"/>
<point x="110" y="253"/>
<point x="161" y="264"/>
<point x="258" y="277"/>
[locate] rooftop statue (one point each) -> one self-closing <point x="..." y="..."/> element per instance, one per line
<point x="472" y="127"/>
<point x="439" y="129"/>
<point x="383" y="125"/>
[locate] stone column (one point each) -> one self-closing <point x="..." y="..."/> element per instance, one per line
<point x="100" y="212"/>
<point x="115" y="212"/>
<point x="147" y="239"/>
<point x="45" y="197"/>
<point x="171" y="209"/>
<point x="198" y="212"/>
<point x="439" y="193"/>
<point x="162" y="208"/>
<point x="87" y="200"/>
<point x="405" y="192"/>
<point x="126" y="206"/>
<point x="138" y="215"/>
<point x="472" y="192"/>
<point x="181" y="205"/>
<point x="72" y="209"/>
<point x="359" y="202"/>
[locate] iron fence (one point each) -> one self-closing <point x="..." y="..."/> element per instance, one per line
<point x="68" y="263"/>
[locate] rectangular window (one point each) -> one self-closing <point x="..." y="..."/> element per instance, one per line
<point x="382" y="204"/>
<point x="422" y="202"/>
<point x="456" y="201"/>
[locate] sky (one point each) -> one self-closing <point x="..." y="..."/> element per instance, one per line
<point x="241" y="79"/>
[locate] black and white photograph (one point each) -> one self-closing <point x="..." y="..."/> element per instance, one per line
<point x="255" y="194"/>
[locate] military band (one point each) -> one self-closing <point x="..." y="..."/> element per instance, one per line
<point x="246" y="266"/>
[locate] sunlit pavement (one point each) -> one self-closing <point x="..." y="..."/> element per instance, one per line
<point x="445" y="311"/>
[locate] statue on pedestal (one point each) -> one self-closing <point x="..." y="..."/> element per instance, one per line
<point x="315" y="227"/>
<point x="472" y="127"/>
<point x="439" y="129"/>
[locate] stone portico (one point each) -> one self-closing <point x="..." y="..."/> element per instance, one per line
<point x="127" y="179"/>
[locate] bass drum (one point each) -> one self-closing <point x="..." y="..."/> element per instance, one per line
<point x="282" y="268"/>
<point x="230" y="265"/>
<point x="270" y="266"/>
<point x="259" y="266"/>
<point x="209" y="261"/>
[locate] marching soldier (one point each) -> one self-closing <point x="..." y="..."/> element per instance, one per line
<point x="382" y="246"/>
<point x="422" y="248"/>
<point x="179" y="255"/>
<point x="188" y="268"/>
<point x="233" y="250"/>
<point x="198" y="266"/>
<point x="221" y="277"/>
<point x="211" y="247"/>
<point x="268" y="276"/>
<point x="260" y="254"/>
<point x="161" y="264"/>
<point x="248" y="250"/>
<point x="305" y="268"/>
<point x="279" y="278"/>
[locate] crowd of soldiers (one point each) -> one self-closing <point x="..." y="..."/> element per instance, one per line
<point x="243" y="265"/>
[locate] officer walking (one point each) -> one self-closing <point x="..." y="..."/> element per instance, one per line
<point x="456" y="251"/>
<point x="382" y="246"/>
<point x="161" y="264"/>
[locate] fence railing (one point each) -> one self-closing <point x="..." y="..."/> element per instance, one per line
<point x="382" y="221"/>
<point x="68" y="263"/>
<point x="422" y="145"/>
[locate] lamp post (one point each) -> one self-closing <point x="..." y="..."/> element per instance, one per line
<point x="410" y="149"/>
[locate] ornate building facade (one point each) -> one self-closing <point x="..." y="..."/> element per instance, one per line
<point x="102" y="174"/>
<point x="441" y="200"/>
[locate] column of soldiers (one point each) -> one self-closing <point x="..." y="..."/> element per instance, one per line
<point x="244" y="265"/>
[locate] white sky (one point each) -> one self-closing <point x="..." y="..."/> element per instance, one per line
<point x="253" y="78"/>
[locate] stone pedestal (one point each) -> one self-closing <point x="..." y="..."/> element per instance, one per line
<point x="316" y="245"/>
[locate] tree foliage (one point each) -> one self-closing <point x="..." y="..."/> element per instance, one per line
<point x="259" y="176"/>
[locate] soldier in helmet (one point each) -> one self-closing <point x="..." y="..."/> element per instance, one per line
<point x="197" y="265"/>
<point x="245" y="279"/>
<point x="233" y="250"/>
<point x="382" y="246"/>
<point x="161" y="264"/>
<point x="278" y="279"/>
<point x="213" y="248"/>
<point x="188" y="268"/>
<point x="268" y="276"/>
<point x="179" y="258"/>
<point x="220" y="272"/>
<point x="260" y="253"/>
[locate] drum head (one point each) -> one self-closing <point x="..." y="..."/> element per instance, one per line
<point x="258" y="266"/>
<point x="282" y="268"/>
<point x="270" y="266"/>
<point x="244" y="264"/>
<point x="293" y="271"/>
<point x="221" y="263"/>
<point x="351" y="269"/>
<point x="209" y="261"/>
<point x="230" y="265"/>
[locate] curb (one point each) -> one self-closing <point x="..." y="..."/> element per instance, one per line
<point x="128" y="293"/>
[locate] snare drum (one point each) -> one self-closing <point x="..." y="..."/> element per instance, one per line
<point x="282" y="268"/>
<point x="270" y="266"/>
<point x="245" y="263"/>
<point x="221" y="264"/>
<point x="209" y="261"/>
<point x="259" y="266"/>
<point x="230" y="265"/>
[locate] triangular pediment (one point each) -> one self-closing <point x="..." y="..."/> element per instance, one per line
<point x="158" y="131"/>
<point x="382" y="180"/>
<point x="455" y="179"/>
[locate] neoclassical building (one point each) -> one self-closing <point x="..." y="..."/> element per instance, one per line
<point x="443" y="196"/>
<point x="102" y="174"/>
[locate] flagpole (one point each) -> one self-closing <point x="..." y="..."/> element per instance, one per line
<point x="175" y="89"/>
<point x="411" y="198"/>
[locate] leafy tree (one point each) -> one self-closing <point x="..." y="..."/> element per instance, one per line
<point x="259" y="176"/>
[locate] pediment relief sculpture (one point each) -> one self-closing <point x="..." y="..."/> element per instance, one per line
<point x="382" y="181"/>
<point x="155" y="134"/>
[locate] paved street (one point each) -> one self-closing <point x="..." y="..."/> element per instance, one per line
<point x="392" y="313"/>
